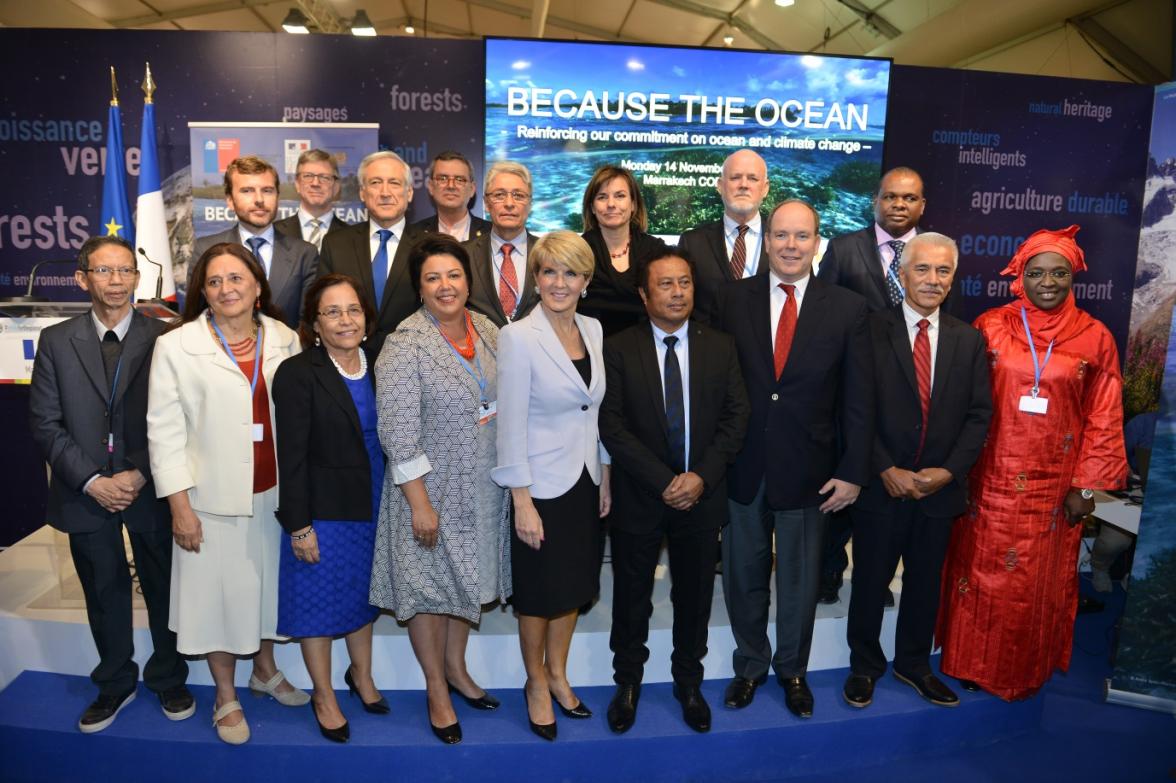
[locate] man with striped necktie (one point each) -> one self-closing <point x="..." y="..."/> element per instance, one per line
<point x="316" y="179"/>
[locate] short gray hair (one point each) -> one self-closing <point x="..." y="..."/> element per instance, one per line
<point x="384" y="155"/>
<point x="931" y="239"/>
<point x="508" y="167"/>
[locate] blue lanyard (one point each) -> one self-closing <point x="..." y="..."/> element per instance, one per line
<point x="256" y="353"/>
<point x="1037" y="368"/>
<point x="901" y="288"/>
<point x="478" y="376"/>
<point x="110" y="407"/>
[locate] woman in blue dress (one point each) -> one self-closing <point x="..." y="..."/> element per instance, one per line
<point x="331" y="470"/>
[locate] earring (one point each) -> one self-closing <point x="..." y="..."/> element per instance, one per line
<point x="256" y="304"/>
<point x="584" y="294"/>
<point x="364" y="340"/>
<point x="317" y="341"/>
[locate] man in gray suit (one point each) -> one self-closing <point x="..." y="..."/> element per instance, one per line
<point x="251" y="191"/>
<point x="316" y="180"/>
<point x="503" y="288"/>
<point x="88" y="415"/>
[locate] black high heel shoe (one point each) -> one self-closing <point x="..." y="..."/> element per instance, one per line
<point x="579" y="712"/>
<point x="545" y="730"/>
<point x="340" y="734"/>
<point x="483" y="702"/>
<point x="450" y="735"/>
<point x="379" y="707"/>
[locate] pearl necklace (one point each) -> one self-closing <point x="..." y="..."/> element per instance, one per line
<point x="351" y="376"/>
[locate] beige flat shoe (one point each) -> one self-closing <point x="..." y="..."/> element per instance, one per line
<point x="294" y="698"/>
<point x="233" y="735"/>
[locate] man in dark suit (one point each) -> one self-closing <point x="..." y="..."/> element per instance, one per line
<point x="375" y="252"/>
<point x="316" y="179"/>
<point x="805" y="352"/>
<point x="867" y="263"/>
<point x="503" y="288"/>
<point x="673" y="418"/>
<point x="450" y="182"/>
<point x="733" y="248"/>
<point x="251" y="191"/>
<point x="88" y="414"/>
<point x="932" y="407"/>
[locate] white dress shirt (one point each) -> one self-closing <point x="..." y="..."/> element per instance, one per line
<point x="121" y="328"/>
<point x="304" y="219"/>
<point x="267" y="248"/>
<point x="374" y="230"/>
<point x="779" y="298"/>
<point x="459" y="230"/>
<point x="912" y="319"/>
<point x="885" y="251"/>
<point x="682" y="351"/>
<point x="752" y="242"/>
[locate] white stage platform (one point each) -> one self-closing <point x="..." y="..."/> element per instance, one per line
<point x="43" y="628"/>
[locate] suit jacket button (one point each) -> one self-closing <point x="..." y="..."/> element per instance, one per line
<point x="775" y="397"/>
<point x="583" y="407"/>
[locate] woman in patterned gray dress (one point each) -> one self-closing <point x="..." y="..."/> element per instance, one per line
<point x="442" y="545"/>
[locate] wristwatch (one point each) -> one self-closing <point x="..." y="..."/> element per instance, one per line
<point x="1087" y="494"/>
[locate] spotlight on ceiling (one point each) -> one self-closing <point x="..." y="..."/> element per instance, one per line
<point x="728" y="40"/>
<point x="362" y="25"/>
<point x="785" y="3"/>
<point x="296" y="22"/>
<point x="409" y="30"/>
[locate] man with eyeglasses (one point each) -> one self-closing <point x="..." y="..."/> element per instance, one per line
<point x="503" y="288"/>
<point x="450" y="182"/>
<point x="375" y="252"/>
<point x="316" y="179"/>
<point x="88" y="415"/>
<point x="251" y="191"/>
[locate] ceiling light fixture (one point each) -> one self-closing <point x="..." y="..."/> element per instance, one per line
<point x="361" y="25"/>
<point x="785" y="3"/>
<point x="409" y="29"/>
<point x="296" y="22"/>
<point x="728" y="40"/>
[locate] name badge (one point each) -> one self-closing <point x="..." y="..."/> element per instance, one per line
<point x="487" y="412"/>
<point x="258" y="432"/>
<point x="1035" y="405"/>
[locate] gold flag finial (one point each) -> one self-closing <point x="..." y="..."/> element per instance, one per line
<point x="148" y="84"/>
<point x="113" y="88"/>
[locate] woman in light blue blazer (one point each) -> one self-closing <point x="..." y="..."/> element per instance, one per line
<point x="550" y="385"/>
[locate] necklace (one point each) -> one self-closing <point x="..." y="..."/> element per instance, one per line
<point x="624" y="251"/>
<point x="465" y="348"/>
<point x="351" y="376"/>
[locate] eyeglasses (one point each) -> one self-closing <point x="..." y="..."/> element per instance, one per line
<point x="1056" y="274"/>
<point x="517" y="196"/>
<point x="354" y="312"/>
<point x="106" y="272"/>
<point x="445" y="179"/>
<point x="324" y="179"/>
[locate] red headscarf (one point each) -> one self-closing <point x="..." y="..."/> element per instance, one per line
<point x="1045" y="241"/>
<point x="1066" y="319"/>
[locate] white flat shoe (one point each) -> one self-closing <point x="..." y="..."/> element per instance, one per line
<point x="294" y="698"/>
<point x="233" y="735"/>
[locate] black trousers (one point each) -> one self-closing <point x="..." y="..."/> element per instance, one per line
<point x="834" y="560"/>
<point x="692" y="575"/>
<point x="880" y="538"/>
<point x="101" y="563"/>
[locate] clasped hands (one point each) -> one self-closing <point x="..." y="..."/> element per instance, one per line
<point x="914" y="485"/>
<point x="117" y="492"/>
<point x="683" y="491"/>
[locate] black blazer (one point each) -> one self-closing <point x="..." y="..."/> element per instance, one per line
<point x="816" y="421"/>
<point x="707" y="248"/>
<point x="612" y="296"/>
<point x="323" y="466"/>
<point x="961" y="407"/>
<point x="633" y="426"/>
<point x="67" y="416"/>
<point x="349" y="252"/>
<point x="292" y="228"/>
<point x="483" y="292"/>
<point x="478" y="226"/>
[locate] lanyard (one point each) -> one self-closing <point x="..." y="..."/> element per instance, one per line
<point x="902" y="289"/>
<point x="1037" y="368"/>
<point x="474" y="371"/>
<point x="256" y="353"/>
<point x="110" y="408"/>
<point x="513" y="290"/>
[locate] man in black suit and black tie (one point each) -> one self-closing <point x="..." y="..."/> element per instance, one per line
<point x="503" y="288"/>
<point x="88" y="415"/>
<point x="450" y="182"/>
<point x="375" y="252"/>
<point x="932" y="408"/>
<point x="732" y="248"/>
<point x="316" y="179"/>
<point x="251" y="191"/>
<point x="804" y="348"/>
<point x="674" y="416"/>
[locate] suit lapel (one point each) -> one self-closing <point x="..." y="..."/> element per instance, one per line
<point x="696" y="357"/>
<point x="719" y="250"/>
<point x="280" y="266"/>
<point x="647" y="357"/>
<point x="398" y="274"/>
<point x="900" y="343"/>
<point x="483" y="266"/>
<point x="328" y="377"/>
<point x="134" y="350"/>
<point x="808" y="322"/>
<point x="872" y="257"/>
<point x="944" y="356"/>
<point x="761" y="320"/>
<point x="529" y="296"/>
<point x="85" y="344"/>
<point x="551" y="345"/>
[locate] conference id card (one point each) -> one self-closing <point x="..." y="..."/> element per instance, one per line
<point x="1035" y="405"/>
<point x="487" y="411"/>
<point x="258" y="432"/>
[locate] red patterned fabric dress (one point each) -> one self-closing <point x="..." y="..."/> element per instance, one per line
<point x="1010" y="587"/>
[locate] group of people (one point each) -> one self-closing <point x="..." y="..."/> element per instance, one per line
<point x="434" y="418"/>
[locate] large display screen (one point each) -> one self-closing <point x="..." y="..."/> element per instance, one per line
<point x="671" y="116"/>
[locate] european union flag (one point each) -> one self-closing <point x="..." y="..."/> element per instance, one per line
<point x="116" y="210"/>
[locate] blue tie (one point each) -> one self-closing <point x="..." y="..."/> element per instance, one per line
<point x="255" y="244"/>
<point x="675" y="407"/>
<point x="380" y="266"/>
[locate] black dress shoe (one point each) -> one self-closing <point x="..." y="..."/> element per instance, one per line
<point x="545" y="730"/>
<point x="450" y="735"/>
<point x="379" y="707"/>
<point x="797" y="696"/>
<point x="829" y="593"/>
<point x="483" y="702"/>
<point x="622" y="710"/>
<point x="579" y="712"/>
<point x="340" y="734"/>
<point x="969" y="686"/>
<point x="740" y="692"/>
<point x="930" y="688"/>
<point x="858" y="690"/>
<point x="177" y="703"/>
<point x="103" y="711"/>
<point x="695" y="711"/>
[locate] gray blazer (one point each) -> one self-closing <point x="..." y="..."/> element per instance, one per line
<point x="292" y="270"/>
<point x="67" y="416"/>
<point x="483" y="292"/>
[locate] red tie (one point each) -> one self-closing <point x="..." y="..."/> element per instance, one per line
<point x="739" y="254"/>
<point x="508" y="283"/>
<point x="785" y="328"/>
<point x="923" y="376"/>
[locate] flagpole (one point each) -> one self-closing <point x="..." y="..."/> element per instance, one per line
<point x="151" y="233"/>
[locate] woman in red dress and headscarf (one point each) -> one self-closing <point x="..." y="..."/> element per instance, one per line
<point x="1010" y="584"/>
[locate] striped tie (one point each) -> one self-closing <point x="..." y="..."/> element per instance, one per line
<point x="923" y="376"/>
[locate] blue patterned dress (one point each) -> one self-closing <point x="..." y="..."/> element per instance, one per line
<point x="330" y="598"/>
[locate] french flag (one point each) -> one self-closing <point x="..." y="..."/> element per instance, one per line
<point x="150" y="218"/>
